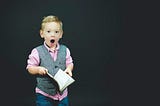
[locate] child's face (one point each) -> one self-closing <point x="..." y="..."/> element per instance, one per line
<point x="51" y="33"/>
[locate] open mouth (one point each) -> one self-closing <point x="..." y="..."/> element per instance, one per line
<point x="52" y="40"/>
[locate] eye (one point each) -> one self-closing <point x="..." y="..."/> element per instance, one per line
<point x="48" y="31"/>
<point x="56" y="31"/>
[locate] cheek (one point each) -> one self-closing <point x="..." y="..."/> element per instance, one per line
<point x="60" y="36"/>
<point x="46" y="36"/>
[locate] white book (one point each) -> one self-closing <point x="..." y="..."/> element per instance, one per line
<point x="63" y="79"/>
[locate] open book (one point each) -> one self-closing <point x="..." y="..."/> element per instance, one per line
<point x="62" y="78"/>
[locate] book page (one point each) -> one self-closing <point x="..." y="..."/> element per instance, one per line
<point x="63" y="79"/>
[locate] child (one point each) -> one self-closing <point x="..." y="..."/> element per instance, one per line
<point x="50" y="57"/>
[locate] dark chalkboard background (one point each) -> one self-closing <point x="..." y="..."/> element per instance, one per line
<point x="93" y="31"/>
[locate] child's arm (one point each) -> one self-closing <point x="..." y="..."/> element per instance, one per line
<point x="33" y="64"/>
<point x="69" y="69"/>
<point x="37" y="70"/>
<point x="69" y="63"/>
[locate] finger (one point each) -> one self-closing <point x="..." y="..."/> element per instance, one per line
<point x="71" y="74"/>
<point x="46" y="70"/>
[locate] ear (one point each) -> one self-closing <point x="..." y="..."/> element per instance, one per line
<point x="61" y="34"/>
<point x="41" y="33"/>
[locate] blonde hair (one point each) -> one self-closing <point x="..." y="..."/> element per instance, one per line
<point x="51" y="18"/>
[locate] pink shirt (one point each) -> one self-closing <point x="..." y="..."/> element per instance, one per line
<point x="34" y="60"/>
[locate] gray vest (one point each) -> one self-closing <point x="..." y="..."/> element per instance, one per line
<point x="45" y="83"/>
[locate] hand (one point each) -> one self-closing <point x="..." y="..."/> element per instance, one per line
<point x="42" y="70"/>
<point x="68" y="71"/>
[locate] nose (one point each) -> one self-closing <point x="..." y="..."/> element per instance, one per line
<point x="53" y="34"/>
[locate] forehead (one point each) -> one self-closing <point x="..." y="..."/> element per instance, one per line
<point x="52" y="25"/>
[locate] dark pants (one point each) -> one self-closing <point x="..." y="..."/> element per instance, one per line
<point x="45" y="101"/>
